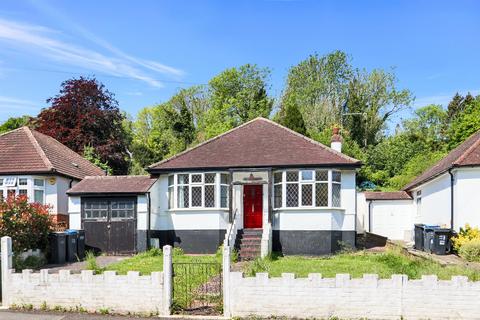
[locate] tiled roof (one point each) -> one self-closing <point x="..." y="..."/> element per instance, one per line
<point x="113" y="184"/>
<point x="465" y="155"/>
<point x="396" y="195"/>
<point x="26" y="151"/>
<point x="257" y="143"/>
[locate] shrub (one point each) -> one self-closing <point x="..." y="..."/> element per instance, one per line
<point x="27" y="223"/>
<point x="465" y="235"/>
<point x="470" y="250"/>
<point x="31" y="262"/>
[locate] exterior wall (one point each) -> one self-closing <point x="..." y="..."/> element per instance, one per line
<point x="392" y="219"/>
<point x="194" y="230"/>
<point x="318" y="230"/>
<point x="466" y="197"/>
<point x="345" y="298"/>
<point x="74" y="212"/>
<point x="435" y="206"/>
<point x="362" y="213"/>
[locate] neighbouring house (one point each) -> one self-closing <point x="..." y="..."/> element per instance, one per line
<point x="446" y="194"/>
<point x="41" y="168"/>
<point x="259" y="186"/>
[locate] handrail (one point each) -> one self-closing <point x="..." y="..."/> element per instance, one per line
<point x="231" y="226"/>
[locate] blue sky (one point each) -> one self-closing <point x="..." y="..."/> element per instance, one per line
<point x="144" y="51"/>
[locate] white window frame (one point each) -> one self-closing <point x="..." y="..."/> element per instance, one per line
<point x="312" y="182"/>
<point x="30" y="186"/>
<point x="217" y="190"/>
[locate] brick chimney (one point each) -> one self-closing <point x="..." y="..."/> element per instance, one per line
<point x="336" y="140"/>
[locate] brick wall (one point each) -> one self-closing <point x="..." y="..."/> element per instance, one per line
<point x="343" y="297"/>
<point x="130" y="293"/>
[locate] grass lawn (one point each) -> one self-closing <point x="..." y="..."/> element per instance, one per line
<point x="358" y="263"/>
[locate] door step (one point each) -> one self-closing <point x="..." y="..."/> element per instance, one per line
<point x="248" y="244"/>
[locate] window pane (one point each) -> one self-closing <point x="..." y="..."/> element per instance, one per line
<point x="170" y="198"/>
<point x="38" y="182"/>
<point x="22" y="182"/>
<point x="210" y="196"/>
<point x="38" y="196"/>
<point x="210" y="177"/>
<point x="277" y="177"/>
<point x="182" y="201"/>
<point x="182" y="179"/>
<point x="224" y="178"/>
<point x="11" y="193"/>
<point x="321" y="175"/>
<point x="292" y="195"/>
<point x="336" y="195"/>
<point x="224" y="196"/>
<point x="321" y="194"/>
<point x="277" y="190"/>
<point x="170" y="180"/>
<point x="292" y="175"/>
<point x="1" y="182"/>
<point x="307" y="194"/>
<point x="10" y="182"/>
<point x="22" y="192"/>
<point x="307" y="175"/>
<point x="336" y="176"/>
<point x="196" y="196"/>
<point x="196" y="178"/>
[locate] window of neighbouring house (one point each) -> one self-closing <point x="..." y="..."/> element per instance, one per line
<point x="199" y="190"/>
<point x="418" y="200"/>
<point x="307" y="188"/>
<point x="32" y="187"/>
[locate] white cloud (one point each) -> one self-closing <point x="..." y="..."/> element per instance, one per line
<point x="10" y="103"/>
<point x="442" y="98"/>
<point x="45" y="41"/>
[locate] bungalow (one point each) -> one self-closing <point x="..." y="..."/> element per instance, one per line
<point x="41" y="168"/>
<point x="446" y="194"/>
<point x="259" y="186"/>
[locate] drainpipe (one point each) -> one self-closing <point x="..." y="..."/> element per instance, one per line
<point x="452" y="210"/>
<point x="149" y="206"/>
<point x="370" y="216"/>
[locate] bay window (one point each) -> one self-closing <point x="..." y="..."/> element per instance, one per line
<point x="198" y="190"/>
<point x="307" y="188"/>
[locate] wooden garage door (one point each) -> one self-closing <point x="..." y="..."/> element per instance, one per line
<point x="110" y="224"/>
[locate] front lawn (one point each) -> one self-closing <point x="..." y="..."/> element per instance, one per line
<point x="358" y="263"/>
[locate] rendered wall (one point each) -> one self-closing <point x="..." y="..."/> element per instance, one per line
<point x="467" y="197"/>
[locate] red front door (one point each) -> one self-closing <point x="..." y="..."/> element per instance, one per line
<point x="252" y="206"/>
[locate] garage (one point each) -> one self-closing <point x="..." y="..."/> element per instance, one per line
<point x="114" y="211"/>
<point x="390" y="215"/>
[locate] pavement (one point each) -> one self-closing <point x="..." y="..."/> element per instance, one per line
<point x="40" y="315"/>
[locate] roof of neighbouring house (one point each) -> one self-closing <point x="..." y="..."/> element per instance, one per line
<point x="465" y="155"/>
<point x="395" y="195"/>
<point x="113" y="185"/>
<point x="26" y="151"/>
<point x="257" y="143"/>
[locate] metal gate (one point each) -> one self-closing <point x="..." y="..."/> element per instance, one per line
<point x="197" y="288"/>
<point x="110" y="224"/>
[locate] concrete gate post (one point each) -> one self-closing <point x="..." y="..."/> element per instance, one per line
<point x="6" y="260"/>
<point x="167" y="279"/>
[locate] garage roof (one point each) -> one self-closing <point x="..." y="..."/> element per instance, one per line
<point x="396" y="195"/>
<point x="257" y="143"/>
<point x="113" y="185"/>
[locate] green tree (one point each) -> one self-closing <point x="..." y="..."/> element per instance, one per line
<point x="318" y="86"/>
<point x="373" y="99"/>
<point x="292" y="118"/>
<point x="90" y="155"/>
<point x="465" y="123"/>
<point x="427" y="126"/>
<point x="236" y="95"/>
<point x="14" y="123"/>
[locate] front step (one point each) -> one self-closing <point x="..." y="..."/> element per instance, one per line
<point x="248" y="244"/>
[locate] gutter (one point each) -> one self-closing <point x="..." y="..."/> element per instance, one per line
<point x="149" y="210"/>
<point x="370" y="202"/>
<point x="452" y="208"/>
